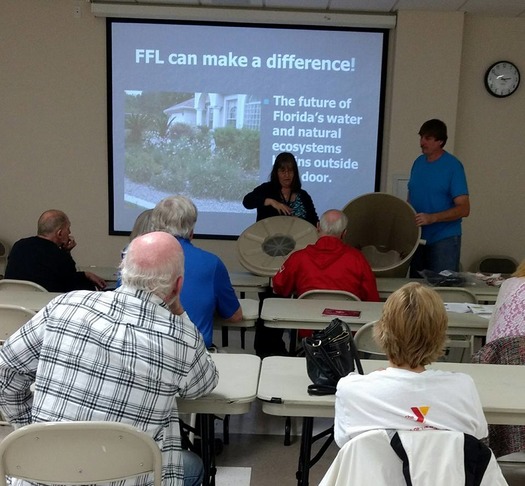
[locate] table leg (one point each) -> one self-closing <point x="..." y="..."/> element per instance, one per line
<point x="293" y="342"/>
<point x="224" y="331"/>
<point x="208" y="448"/>
<point x="303" y="470"/>
<point x="226" y="430"/>
<point x="213" y="469"/>
<point x="242" y="295"/>
<point x="306" y="461"/>
<point x="287" y="431"/>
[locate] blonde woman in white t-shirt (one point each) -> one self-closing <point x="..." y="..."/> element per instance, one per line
<point x="406" y="395"/>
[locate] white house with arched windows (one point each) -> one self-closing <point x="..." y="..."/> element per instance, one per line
<point x="216" y="110"/>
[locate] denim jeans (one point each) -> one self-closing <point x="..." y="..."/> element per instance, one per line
<point x="439" y="256"/>
<point x="193" y="468"/>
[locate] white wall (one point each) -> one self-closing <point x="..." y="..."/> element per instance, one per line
<point x="53" y="122"/>
<point x="416" y="92"/>
<point x="489" y="139"/>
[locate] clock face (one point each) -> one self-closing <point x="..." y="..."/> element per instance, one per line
<point x="502" y="79"/>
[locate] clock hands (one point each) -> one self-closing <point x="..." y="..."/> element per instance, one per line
<point x="502" y="79"/>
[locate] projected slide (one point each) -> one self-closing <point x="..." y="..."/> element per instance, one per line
<point x="203" y="110"/>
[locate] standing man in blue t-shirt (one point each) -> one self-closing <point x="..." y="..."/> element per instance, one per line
<point x="438" y="191"/>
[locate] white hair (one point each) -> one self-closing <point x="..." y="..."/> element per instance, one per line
<point x="333" y="226"/>
<point x="157" y="276"/>
<point x="176" y="215"/>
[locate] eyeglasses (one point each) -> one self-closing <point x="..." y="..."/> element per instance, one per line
<point x="285" y="170"/>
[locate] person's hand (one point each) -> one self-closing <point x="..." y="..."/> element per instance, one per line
<point x="422" y="219"/>
<point x="69" y="244"/>
<point x="281" y="208"/>
<point x="99" y="282"/>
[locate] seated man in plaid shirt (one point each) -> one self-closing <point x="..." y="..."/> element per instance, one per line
<point x="120" y="356"/>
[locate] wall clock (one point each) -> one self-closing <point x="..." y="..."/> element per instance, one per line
<point x="502" y="79"/>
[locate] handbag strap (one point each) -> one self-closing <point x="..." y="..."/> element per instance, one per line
<point x="353" y="348"/>
<point x="321" y="390"/>
<point x="355" y="354"/>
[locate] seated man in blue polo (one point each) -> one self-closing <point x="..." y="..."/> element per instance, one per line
<point x="207" y="289"/>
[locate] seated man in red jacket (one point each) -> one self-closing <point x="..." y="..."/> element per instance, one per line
<point x="329" y="264"/>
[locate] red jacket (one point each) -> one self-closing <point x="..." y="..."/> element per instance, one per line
<point x="330" y="264"/>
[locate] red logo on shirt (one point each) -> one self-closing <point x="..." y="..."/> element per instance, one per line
<point x="420" y="413"/>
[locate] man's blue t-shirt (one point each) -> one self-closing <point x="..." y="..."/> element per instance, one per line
<point x="432" y="188"/>
<point x="206" y="289"/>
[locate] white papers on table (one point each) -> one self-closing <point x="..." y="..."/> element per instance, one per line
<point x="463" y="308"/>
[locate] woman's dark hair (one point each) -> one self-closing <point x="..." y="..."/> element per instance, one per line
<point x="286" y="159"/>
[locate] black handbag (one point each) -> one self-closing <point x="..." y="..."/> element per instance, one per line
<point x="330" y="355"/>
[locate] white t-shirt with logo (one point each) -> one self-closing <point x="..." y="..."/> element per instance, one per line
<point x="400" y="399"/>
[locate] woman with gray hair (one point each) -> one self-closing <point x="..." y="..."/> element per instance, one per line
<point x="141" y="226"/>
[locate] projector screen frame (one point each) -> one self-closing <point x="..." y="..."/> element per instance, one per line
<point x="119" y="10"/>
<point x="309" y="27"/>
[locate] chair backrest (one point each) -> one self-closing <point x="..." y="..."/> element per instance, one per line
<point x="497" y="264"/>
<point x="11" y="284"/>
<point x="365" y="342"/>
<point x="4" y="249"/>
<point x="12" y="318"/>
<point x="456" y="294"/>
<point x="328" y="294"/>
<point x="79" y="453"/>
<point x="374" y="457"/>
<point x="509" y="350"/>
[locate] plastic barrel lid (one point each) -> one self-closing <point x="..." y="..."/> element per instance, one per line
<point x="264" y="246"/>
<point x="385" y="224"/>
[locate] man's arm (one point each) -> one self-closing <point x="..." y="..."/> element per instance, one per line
<point x="98" y="281"/>
<point x="284" y="281"/>
<point x="18" y="364"/>
<point x="227" y="304"/>
<point x="203" y="375"/>
<point x="461" y="209"/>
<point x="236" y="317"/>
<point x="95" y="279"/>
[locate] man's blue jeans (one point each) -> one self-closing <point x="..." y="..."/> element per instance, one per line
<point x="193" y="468"/>
<point x="439" y="256"/>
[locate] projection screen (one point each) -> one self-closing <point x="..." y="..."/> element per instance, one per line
<point x="203" y="109"/>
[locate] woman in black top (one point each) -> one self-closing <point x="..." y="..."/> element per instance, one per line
<point x="283" y="194"/>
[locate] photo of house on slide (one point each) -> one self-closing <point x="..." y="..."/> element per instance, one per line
<point x="202" y="145"/>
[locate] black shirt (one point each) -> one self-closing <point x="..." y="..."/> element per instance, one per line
<point x="255" y="200"/>
<point x="43" y="262"/>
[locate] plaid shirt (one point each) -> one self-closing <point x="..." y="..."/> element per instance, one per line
<point x="118" y="356"/>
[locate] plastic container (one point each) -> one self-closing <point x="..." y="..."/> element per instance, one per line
<point x="264" y="246"/>
<point x="383" y="227"/>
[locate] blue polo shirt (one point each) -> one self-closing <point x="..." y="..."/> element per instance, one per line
<point x="206" y="289"/>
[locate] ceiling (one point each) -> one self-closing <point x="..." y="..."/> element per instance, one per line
<point x="503" y="8"/>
